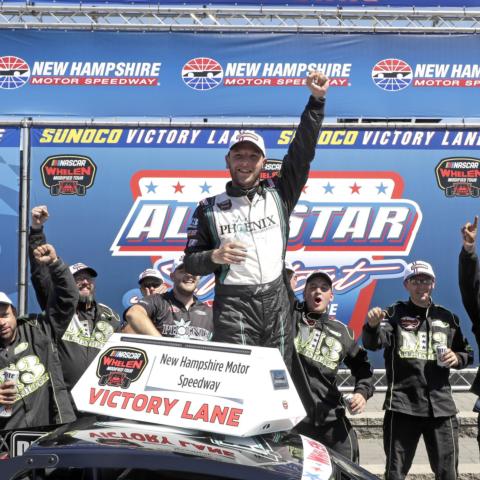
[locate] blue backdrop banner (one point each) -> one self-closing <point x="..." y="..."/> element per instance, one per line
<point x="236" y="75"/>
<point x="370" y="206"/>
<point x="9" y="189"/>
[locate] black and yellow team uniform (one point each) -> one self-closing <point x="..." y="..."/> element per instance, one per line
<point x="323" y="344"/>
<point x="42" y="397"/>
<point x="419" y="398"/>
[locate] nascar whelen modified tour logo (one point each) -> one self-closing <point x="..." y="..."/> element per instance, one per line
<point x="68" y="174"/>
<point x="355" y="225"/>
<point x="119" y="367"/>
<point x="203" y="73"/>
<point x="393" y="75"/>
<point x="459" y="176"/>
<point x="15" y="73"/>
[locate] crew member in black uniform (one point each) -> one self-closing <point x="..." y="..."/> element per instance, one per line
<point x="322" y="344"/>
<point x="91" y="324"/>
<point x="27" y="346"/>
<point x="241" y="235"/>
<point x="419" y="400"/>
<point x="177" y="313"/>
<point x="469" y="280"/>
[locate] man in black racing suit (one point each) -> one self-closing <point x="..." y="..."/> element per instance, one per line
<point x="241" y="235"/>
<point x="469" y="281"/>
<point x="419" y="399"/>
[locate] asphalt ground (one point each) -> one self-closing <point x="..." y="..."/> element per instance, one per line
<point x="369" y="429"/>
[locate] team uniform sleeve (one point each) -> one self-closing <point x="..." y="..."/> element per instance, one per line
<point x="469" y="281"/>
<point x="380" y="336"/>
<point x="461" y="346"/>
<point x="62" y="303"/>
<point x="200" y="245"/>
<point x="357" y="361"/>
<point x="296" y="164"/>
<point x="39" y="273"/>
<point x="155" y="306"/>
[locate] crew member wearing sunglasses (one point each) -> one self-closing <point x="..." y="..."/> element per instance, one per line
<point x="421" y="342"/>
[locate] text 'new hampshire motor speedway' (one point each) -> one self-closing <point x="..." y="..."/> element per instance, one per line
<point x="230" y="367"/>
<point x="346" y="138"/>
<point x="96" y="73"/>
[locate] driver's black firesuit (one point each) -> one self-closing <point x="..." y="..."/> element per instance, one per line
<point x="252" y="305"/>
<point x="469" y="280"/>
<point x="42" y="397"/>
<point x="419" y="398"/>
<point x="323" y="344"/>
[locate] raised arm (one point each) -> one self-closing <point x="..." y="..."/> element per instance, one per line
<point x="63" y="300"/>
<point x="301" y="152"/>
<point x="469" y="275"/>
<point x="39" y="272"/>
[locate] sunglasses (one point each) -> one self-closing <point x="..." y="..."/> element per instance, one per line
<point x="151" y="284"/>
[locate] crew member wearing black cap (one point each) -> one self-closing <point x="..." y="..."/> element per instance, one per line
<point x="92" y="323"/>
<point x="241" y="235"/>
<point x="322" y="344"/>
<point x="177" y="313"/>
<point x="421" y="342"/>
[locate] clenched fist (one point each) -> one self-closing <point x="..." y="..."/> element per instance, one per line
<point x="39" y="215"/>
<point x="45" y="254"/>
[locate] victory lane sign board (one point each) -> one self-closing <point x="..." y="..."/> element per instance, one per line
<point x="215" y="387"/>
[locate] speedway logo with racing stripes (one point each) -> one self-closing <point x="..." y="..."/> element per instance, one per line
<point x="394" y="74"/>
<point x="345" y="222"/>
<point x="15" y="73"/>
<point x="204" y="73"/>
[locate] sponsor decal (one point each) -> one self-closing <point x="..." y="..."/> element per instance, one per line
<point x="205" y="73"/>
<point x="409" y="323"/>
<point x="21" y="441"/>
<point x="68" y="174"/>
<point x="271" y="169"/>
<point x="15" y="73"/>
<point x="459" y="176"/>
<point x="394" y="74"/>
<point x="119" y="367"/>
<point x="279" y="379"/>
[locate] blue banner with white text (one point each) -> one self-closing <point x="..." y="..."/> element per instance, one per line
<point x="120" y="200"/>
<point x="205" y="75"/>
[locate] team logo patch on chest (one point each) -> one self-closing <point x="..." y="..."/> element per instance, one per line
<point x="409" y="323"/>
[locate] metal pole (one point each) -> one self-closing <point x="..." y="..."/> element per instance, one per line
<point x="23" y="216"/>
